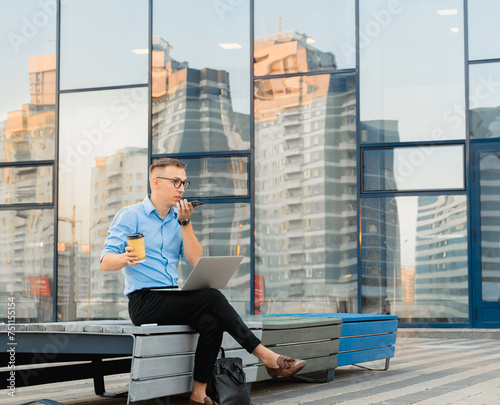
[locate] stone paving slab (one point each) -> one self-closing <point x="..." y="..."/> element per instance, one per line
<point x="424" y="371"/>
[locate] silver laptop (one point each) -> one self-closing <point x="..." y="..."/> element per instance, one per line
<point x="209" y="272"/>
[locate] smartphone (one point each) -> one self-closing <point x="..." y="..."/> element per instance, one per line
<point x="196" y="203"/>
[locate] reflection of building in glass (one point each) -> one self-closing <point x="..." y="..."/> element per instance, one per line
<point x="379" y="131"/>
<point x="27" y="263"/>
<point x="289" y="52"/>
<point x="490" y="225"/>
<point x="305" y="185"/>
<point x="380" y="256"/>
<point x="485" y="122"/>
<point x="441" y="279"/>
<point x="116" y="181"/>
<point x="192" y="109"/>
<point x="193" y="112"/>
<point x="224" y="230"/>
<point x="29" y="132"/>
<point x="28" y="135"/>
<point x="381" y="251"/>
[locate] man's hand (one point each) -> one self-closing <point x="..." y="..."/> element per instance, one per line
<point x="130" y="256"/>
<point x="114" y="261"/>
<point x="185" y="209"/>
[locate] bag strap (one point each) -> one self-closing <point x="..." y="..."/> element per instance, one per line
<point x="240" y="380"/>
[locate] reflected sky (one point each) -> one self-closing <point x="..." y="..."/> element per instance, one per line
<point x="414" y="168"/>
<point x="117" y="44"/>
<point x="483" y="26"/>
<point x="19" y="39"/>
<point x="208" y="36"/>
<point x="95" y="124"/>
<point x="331" y="30"/>
<point x="410" y="70"/>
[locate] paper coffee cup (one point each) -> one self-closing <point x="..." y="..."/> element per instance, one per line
<point x="136" y="241"/>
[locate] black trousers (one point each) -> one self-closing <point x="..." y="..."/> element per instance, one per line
<point x="206" y="311"/>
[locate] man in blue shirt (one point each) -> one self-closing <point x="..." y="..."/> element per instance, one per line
<point x="163" y="218"/>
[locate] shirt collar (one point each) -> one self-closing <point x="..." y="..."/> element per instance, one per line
<point x="149" y="208"/>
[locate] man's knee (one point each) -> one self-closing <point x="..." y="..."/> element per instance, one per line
<point x="208" y="323"/>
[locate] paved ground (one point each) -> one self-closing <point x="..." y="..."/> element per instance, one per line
<point x="425" y="371"/>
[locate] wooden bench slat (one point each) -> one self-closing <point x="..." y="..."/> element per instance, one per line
<point x="366" y="342"/>
<point x="154" y="367"/>
<point x="368" y="328"/>
<point x="291" y="322"/>
<point x="274" y="337"/>
<point x="160" y="387"/>
<point x="361" y="356"/>
<point x="161" y="345"/>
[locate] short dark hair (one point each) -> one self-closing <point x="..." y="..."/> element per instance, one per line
<point x="164" y="162"/>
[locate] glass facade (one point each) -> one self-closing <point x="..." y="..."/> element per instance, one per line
<point x="349" y="154"/>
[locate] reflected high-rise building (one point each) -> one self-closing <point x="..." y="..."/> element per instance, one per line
<point x="381" y="253"/>
<point x="117" y="180"/>
<point x="28" y="135"/>
<point x="441" y="271"/>
<point x="192" y="108"/>
<point x="192" y="111"/>
<point x="289" y="52"/>
<point x="305" y="180"/>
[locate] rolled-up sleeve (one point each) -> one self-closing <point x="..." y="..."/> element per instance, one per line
<point x="124" y="223"/>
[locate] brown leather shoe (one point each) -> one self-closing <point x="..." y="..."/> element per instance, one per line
<point x="287" y="366"/>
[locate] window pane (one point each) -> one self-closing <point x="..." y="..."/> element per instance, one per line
<point x="294" y="36"/>
<point x="27" y="80"/>
<point x="27" y="240"/>
<point x="27" y="184"/>
<point x="411" y="86"/>
<point x="217" y="177"/>
<point x="483" y="26"/>
<point x="484" y="100"/>
<point x="413" y="168"/>
<point x="489" y="164"/>
<point x="414" y="258"/>
<point x="103" y="43"/>
<point x="103" y="167"/>
<point x="305" y="194"/>
<point x="201" y="97"/>
<point x="224" y="230"/>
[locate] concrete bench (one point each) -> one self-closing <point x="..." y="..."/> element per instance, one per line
<point x="159" y="358"/>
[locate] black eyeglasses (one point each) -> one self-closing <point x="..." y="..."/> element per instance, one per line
<point x="177" y="182"/>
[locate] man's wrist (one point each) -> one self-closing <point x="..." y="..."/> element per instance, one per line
<point x="184" y="222"/>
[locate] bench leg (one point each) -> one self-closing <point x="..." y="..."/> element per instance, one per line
<point x="329" y="376"/>
<point x="386" y="367"/>
<point x="99" y="387"/>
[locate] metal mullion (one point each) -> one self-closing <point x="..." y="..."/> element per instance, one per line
<point x="412" y="193"/>
<point x="193" y="155"/>
<point x="28" y="163"/>
<point x="482" y="61"/>
<point x="103" y="88"/>
<point x="359" y="266"/>
<point x="55" y="172"/>
<point x="150" y="91"/>
<point x="222" y="199"/>
<point x="286" y="75"/>
<point x="26" y="206"/>
<point x="412" y="144"/>
<point x="251" y="163"/>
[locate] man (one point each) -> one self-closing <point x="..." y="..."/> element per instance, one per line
<point x="163" y="218"/>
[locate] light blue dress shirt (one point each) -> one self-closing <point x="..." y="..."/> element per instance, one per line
<point x="163" y="239"/>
